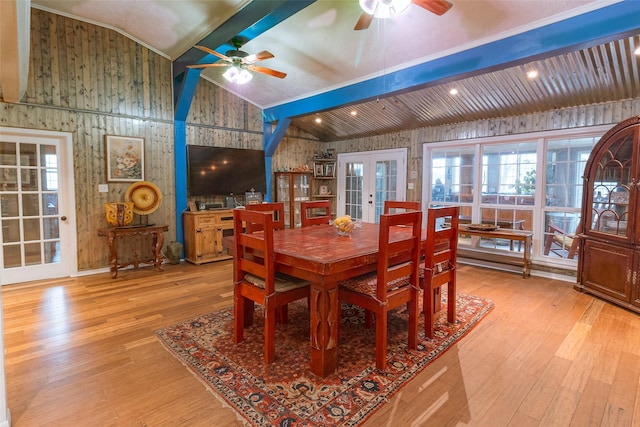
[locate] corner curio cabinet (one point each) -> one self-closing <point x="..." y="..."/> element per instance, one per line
<point x="609" y="261"/>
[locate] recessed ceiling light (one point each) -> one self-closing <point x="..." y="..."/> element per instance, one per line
<point x="532" y="74"/>
<point x="453" y="91"/>
<point x="318" y="120"/>
<point x="637" y="51"/>
<point x="354" y="113"/>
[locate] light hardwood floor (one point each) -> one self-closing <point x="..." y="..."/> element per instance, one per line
<point x="82" y="352"/>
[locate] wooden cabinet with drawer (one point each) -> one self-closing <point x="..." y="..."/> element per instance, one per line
<point x="203" y="233"/>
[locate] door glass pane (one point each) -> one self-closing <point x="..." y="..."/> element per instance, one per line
<point x="29" y="179"/>
<point x="10" y="231"/>
<point x="31" y="229"/>
<point x="9" y="205"/>
<point x="30" y="205"/>
<point x="51" y="252"/>
<point x="28" y="155"/>
<point x="8" y="179"/>
<point x="11" y="256"/>
<point x="32" y="254"/>
<point x="354" y="180"/>
<point x="8" y="153"/>
<point x="50" y="228"/>
<point x="386" y="184"/>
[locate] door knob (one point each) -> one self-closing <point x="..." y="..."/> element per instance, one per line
<point x="63" y="218"/>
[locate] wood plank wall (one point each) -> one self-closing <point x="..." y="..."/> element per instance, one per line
<point x="609" y="113"/>
<point x="92" y="81"/>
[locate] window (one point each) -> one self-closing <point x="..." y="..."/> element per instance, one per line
<point x="521" y="182"/>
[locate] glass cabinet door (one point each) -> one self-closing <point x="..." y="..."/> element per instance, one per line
<point x="613" y="188"/>
<point x="301" y="192"/>
<point x="282" y="195"/>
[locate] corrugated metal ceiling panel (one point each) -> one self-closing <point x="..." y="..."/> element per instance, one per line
<point x="603" y="73"/>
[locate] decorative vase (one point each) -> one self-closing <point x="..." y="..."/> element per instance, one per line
<point x="174" y="252"/>
<point x="119" y="214"/>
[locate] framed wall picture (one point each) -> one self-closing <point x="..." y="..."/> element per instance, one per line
<point x="125" y="158"/>
<point x="318" y="170"/>
<point x="330" y="170"/>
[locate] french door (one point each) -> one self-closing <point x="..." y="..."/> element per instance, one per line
<point x="37" y="208"/>
<point x="367" y="179"/>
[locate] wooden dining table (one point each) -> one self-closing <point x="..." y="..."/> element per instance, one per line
<point x="319" y="255"/>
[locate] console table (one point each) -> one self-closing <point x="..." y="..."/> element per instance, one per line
<point x="157" y="231"/>
<point x="520" y="236"/>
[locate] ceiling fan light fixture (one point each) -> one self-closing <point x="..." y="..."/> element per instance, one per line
<point x="384" y="8"/>
<point x="237" y="75"/>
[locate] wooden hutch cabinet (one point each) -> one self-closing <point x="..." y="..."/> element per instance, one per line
<point x="203" y="232"/>
<point x="609" y="252"/>
<point x="291" y="189"/>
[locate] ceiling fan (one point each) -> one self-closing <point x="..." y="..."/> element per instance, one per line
<point x="240" y="63"/>
<point x="387" y="8"/>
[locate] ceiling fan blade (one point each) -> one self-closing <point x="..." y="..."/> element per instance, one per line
<point x="439" y="7"/>
<point x="260" y="56"/>
<point x="215" y="64"/>
<point x="213" y="52"/>
<point x="269" y="71"/>
<point x="363" y="22"/>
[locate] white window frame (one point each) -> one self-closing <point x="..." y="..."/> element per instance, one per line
<point x="538" y="210"/>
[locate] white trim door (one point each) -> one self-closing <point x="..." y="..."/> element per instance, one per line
<point x="37" y="205"/>
<point x="367" y="179"/>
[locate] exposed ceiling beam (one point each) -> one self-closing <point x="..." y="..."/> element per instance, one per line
<point x="592" y="28"/>
<point x="253" y="20"/>
<point x="15" y="17"/>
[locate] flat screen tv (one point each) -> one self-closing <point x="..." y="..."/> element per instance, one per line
<point x="218" y="171"/>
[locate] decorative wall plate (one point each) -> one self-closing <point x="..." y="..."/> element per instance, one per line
<point x="145" y="195"/>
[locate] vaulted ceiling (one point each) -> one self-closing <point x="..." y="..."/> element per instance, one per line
<point x="398" y="73"/>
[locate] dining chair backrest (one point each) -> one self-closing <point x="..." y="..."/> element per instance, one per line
<point x="440" y="252"/>
<point x="247" y="246"/>
<point x="397" y="206"/>
<point x="309" y="212"/>
<point x="278" y="214"/>
<point x="392" y="265"/>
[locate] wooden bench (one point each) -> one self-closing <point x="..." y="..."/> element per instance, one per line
<point x="520" y="236"/>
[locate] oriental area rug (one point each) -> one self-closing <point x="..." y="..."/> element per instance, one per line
<point x="286" y="393"/>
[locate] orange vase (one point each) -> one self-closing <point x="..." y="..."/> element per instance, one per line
<point x="119" y="214"/>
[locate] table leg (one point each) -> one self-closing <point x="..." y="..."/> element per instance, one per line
<point x="158" y="241"/>
<point x="113" y="261"/>
<point x="526" y="269"/>
<point x="324" y="317"/>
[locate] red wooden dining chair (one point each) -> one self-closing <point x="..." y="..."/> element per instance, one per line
<point x="309" y="212"/>
<point x="439" y="266"/>
<point x="255" y="279"/>
<point x="395" y="282"/>
<point x="278" y="214"/>
<point x="397" y="206"/>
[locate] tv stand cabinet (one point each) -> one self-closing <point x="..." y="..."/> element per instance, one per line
<point x="203" y="233"/>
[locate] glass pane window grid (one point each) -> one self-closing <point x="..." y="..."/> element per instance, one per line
<point x="354" y="184"/>
<point x="27" y="237"/>
<point x="452" y="175"/>
<point x="386" y="184"/>
<point x="509" y="169"/>
<point x="563" y="211"/>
